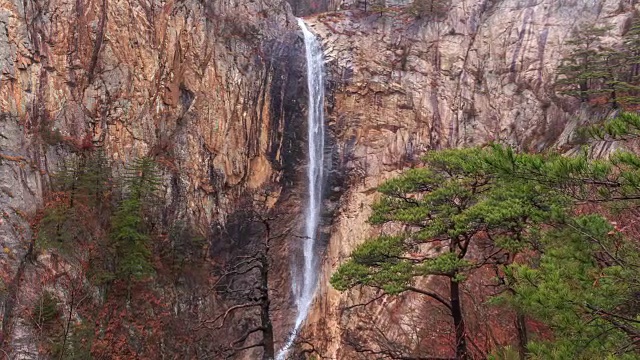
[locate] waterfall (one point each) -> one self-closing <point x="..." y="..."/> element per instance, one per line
<point x="303" y="282"/>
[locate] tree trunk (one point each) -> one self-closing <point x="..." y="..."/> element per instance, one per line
<point x="458" y="320"/>
<point x="523" y="337"/>
<point x="269" y="348"/>
<point x="584" y="88"/>
<point x="265" y="316"/>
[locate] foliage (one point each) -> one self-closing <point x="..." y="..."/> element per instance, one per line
<point x="578" y="275"/>
<point x="50" y="135"/>
<point x="582" y="69"/>
<point x="105" y="227"/>
<point x="378" y="6"/>
<point x="429" y="9"/>
<point x="447" y="204"/>
<point x="130" y="234"/>
<point x="82" y="187"/>
<point x="78" y="346"/>
<point x="185" y="245"/>
<point x="87" y="177"/>
<point x="85" y="185"/>
<point x="581" y="281"/>
<point x="457" y="215"/>
<point x="142" y="180"/>
<point x="131" y="241"/>
<point x="625" y="126"/>
<point x="587" y="298"/>
<point x="596" y="73"/>
<point x="45" y="311"/>
<point x="62" y="228"/>
<point x="505" y="353"/>
<point x="578" y="177"/>
<point x="132" y="329"/>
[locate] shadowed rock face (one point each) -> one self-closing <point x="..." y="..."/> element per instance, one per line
<point x="400" y="86"/>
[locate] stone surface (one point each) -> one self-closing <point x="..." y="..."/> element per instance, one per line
<point x="208" y="88"/>
<point x="401" y="86"/>
<point x="214" y="90"/>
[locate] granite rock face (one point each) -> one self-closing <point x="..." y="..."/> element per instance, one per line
<point x="208" y="88"/>
<point x="215" y="91"/>
<point x="483" y="72"/>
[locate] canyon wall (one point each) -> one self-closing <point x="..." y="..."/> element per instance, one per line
<point x="484" y="71"/>
<point x="215" y="91"/>
<point x="210" y="89"/>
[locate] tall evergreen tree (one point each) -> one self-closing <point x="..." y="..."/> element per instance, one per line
<point x="582" y="279"/>
<point x="631" y="41"/>
<point x="130" y="232"/>
<point x="583" y="285"/>
<point x="582" y="70"/>
<point x="451" y="205"/>
<point x="82" y="187"/>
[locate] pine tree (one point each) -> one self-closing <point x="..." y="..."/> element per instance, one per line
<point x="447" y="207"/>
<point x="582" y="279"/>
<point x="582" y="71"/>
<point x="579" y="275"/>
<point x="629" y="69"/>
<point x="582" y="285"/>
<point x="130" y="233"/>
<point x="82" y="187"/>
<point x="86" y="177"/>
<point x="625" y="126"/>
<point x="631" y="42"/>
<point x="429" y="9"/>
<point x="96" y="180"/>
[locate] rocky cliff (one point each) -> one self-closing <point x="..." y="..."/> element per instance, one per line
<point x="210" y="89"/>
<point x="483" y="71"/>
<point x="213" y="90"/>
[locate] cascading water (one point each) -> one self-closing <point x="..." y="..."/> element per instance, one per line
<point x="304" y="284"/>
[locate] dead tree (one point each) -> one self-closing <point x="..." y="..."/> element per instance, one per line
<point x="370" y="338"/>
<point x="245" y="282"/>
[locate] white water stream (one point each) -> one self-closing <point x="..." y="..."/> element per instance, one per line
<point x="304" y="284"/>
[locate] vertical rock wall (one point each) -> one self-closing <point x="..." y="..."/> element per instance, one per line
<point x="401" y="86"/>
<point x="210" y="89"/>
<point x="213" y="89"/>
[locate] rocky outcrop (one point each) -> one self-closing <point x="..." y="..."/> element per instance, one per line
<point x="208" y="88"/>
<point x="401" y="86"/>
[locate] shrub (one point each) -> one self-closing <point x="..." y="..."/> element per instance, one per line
<point x="429" y="9"/>
<point x="45" y="311"/>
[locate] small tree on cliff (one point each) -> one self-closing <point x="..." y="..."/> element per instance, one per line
<point x="446" y="208"/>
<point x="630" y="66"/>
<point x="74" y="209"/>
<point x="582" y="71"/>
<point x="429" y="9"/>
<point x="631" y="41"/>
<point x="86" y="178"/>
<point x="130" y="233"/>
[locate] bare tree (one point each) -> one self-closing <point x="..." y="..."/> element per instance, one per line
<point x="244" y="282"/>
<point x="371" y="338"/>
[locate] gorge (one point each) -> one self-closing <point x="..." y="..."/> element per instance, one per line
<point x="270" y="136"/>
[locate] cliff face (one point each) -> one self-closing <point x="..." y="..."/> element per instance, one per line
<point x="208" y="88"/>
<point x="214" y="91"/>
<point x="482" y="72"/>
